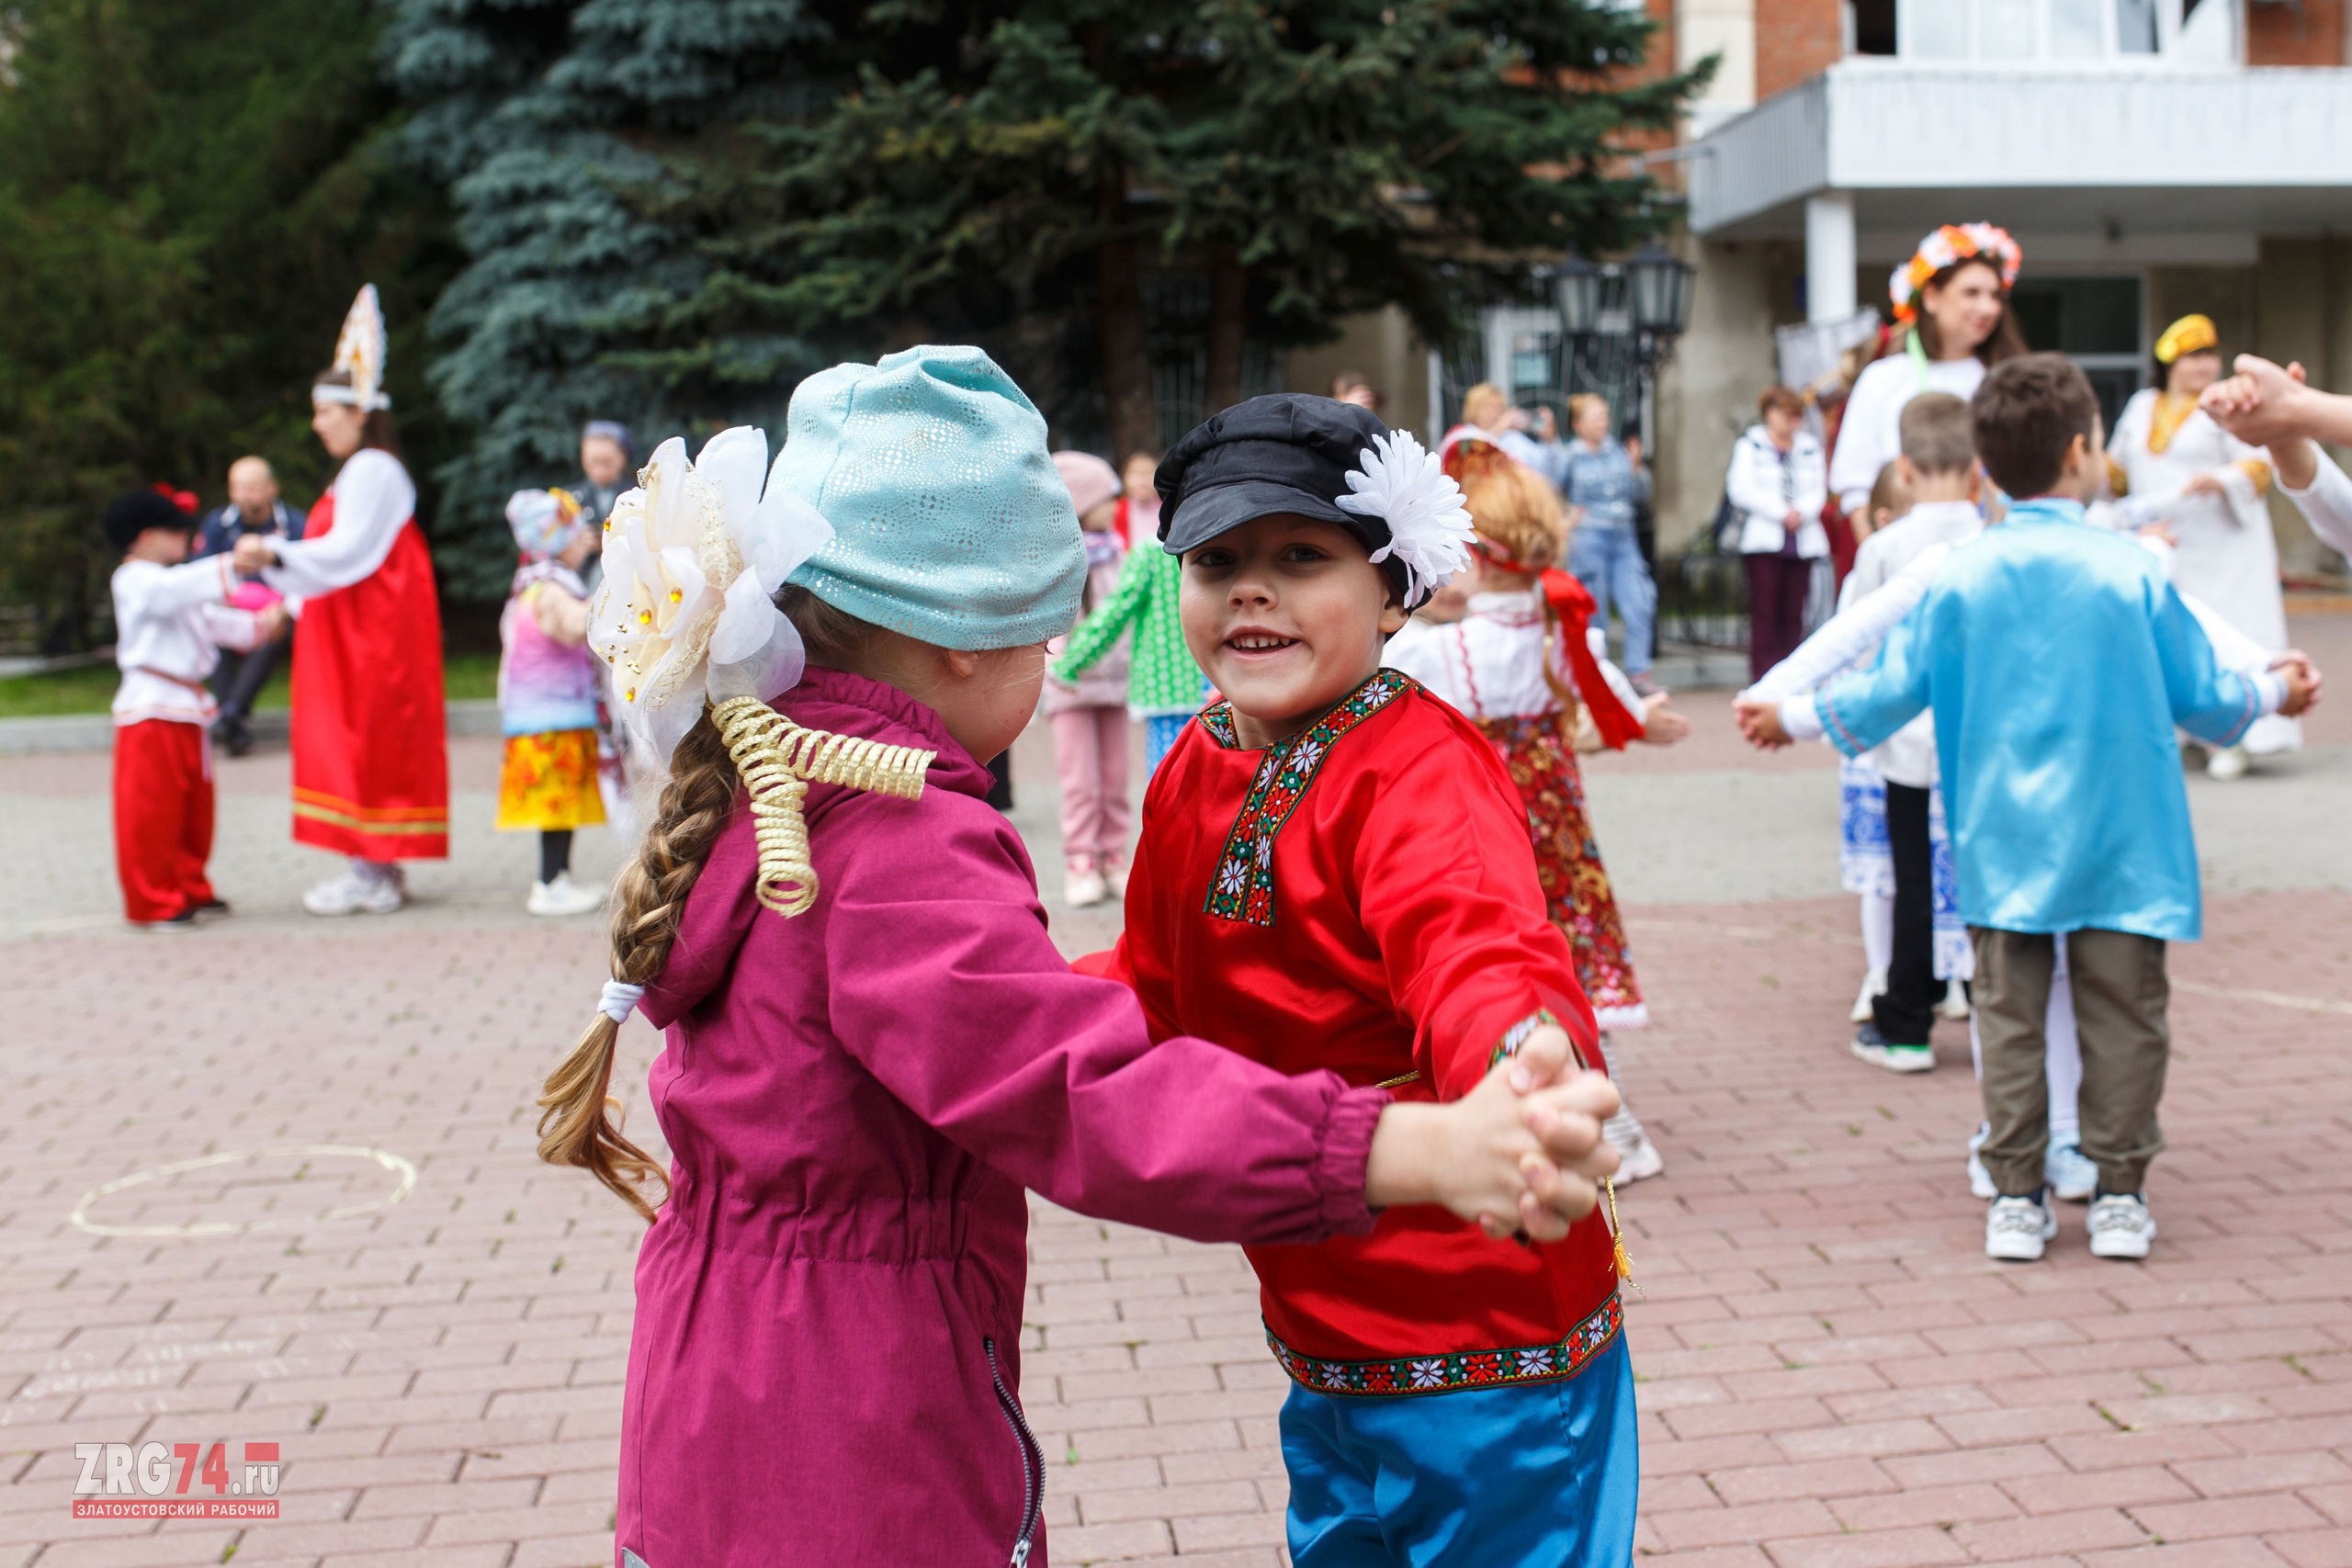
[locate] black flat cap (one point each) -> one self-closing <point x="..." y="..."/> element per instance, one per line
<point x="1286" y="452"/>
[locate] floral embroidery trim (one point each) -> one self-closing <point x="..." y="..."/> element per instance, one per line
<point x="1516" y="1036"/>
<point x="1563" y="1359"/>
<point x="1244" y="887"/>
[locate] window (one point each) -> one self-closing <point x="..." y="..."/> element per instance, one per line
<point x="2197" y="31"/>
<point x="2095" y="321"/>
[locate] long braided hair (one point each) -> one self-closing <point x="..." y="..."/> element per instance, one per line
<point x="576" y="1124"/>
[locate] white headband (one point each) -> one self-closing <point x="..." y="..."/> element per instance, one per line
<point x="350" y="397"/>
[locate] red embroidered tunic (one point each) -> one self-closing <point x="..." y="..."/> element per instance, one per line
<point x="1364" y="898"/>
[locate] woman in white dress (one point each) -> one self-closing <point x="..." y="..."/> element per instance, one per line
<point x="2171" y="461"/>
<point x="1953" y="296"/>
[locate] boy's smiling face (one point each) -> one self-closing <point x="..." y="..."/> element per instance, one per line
<point x="1285" y="616"/>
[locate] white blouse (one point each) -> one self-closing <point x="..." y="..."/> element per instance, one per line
<point x="1489" y="664"/>
<point x="1870" y="436"/>
<point x="374" y="498"/>
<point x="170" y="623"/>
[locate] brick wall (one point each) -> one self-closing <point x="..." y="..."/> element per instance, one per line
<point x="1797" y="39"/>
<point x="2308" y="33"/>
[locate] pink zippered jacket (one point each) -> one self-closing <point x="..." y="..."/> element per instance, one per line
<point x="826" y="1359"/>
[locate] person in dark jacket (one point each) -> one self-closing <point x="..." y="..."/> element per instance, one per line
<point x="254" y="507"/>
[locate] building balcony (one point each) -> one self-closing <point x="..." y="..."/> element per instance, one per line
<point x="2099" y="147"/>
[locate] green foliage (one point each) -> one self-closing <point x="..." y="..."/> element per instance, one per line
<point x="189" y="194"/>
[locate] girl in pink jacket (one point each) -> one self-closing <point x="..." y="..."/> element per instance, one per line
<point x="872" y="1045"/>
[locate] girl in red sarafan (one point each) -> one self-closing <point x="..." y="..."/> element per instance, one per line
<point x="1510" y="648"/>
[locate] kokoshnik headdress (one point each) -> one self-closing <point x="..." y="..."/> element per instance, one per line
<point x="360" y="349"/>
<point x="686" y="618"/>
<point x="1949" y="246"/>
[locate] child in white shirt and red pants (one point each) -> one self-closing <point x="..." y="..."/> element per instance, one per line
<point x="171" y="615"/>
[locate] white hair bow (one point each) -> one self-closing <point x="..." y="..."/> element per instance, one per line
<point x="693" y="559"/>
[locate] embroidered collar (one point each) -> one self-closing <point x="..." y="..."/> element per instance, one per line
<point x="1244" y="889"/>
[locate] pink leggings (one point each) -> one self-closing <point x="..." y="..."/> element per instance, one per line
<point x="1091" y="753"/>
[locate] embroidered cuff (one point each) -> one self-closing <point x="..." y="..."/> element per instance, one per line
<point x="1346" y="1151"/>
<point x="1516" y="1036"/>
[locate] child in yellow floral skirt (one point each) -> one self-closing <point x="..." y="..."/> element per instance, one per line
<point x="547" y="695"/>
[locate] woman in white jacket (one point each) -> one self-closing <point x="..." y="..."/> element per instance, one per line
<point x="1778" y="483"/>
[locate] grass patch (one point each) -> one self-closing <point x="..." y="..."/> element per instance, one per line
<point x="465" y="677"/>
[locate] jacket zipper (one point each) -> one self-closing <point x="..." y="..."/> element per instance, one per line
<point x="1032" y="1460"/>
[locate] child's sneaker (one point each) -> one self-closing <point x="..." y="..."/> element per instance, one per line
<point x="1980" y="1180"/>
<point x="1872" y="1046"/>
<point x="356" y="892"/>
<point x="2017" y="1229"/>
<point x="1873" y="984"/>
<point x="2121" y="1225"/>
<point x="563" y="896"/>
<point x="2072" y="1176"/>
<point x="1083" y="888"/>
<point x="1955" y="1003"/>
<point x="1637" y="1158"/>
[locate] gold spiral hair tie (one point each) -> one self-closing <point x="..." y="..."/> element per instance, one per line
<point x="778" y="760"/>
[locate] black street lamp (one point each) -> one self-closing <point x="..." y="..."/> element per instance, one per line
<point x="1577" y="284"/>
<point x="1661" y="291"/>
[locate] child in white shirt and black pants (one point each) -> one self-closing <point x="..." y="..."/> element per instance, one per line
<point x="171" y="615"/>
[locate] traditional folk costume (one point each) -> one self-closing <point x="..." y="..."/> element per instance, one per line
<point x="169" y="621"/>
<point x="1870" y="436"/>
<point x="2227" y="555"/>
<point x="830" y="1303"/>
<point x="2057" y="660"/>
<point x="549" y="683"/>
<point x="371" y="764"/>
<point x="1361" y="898"/>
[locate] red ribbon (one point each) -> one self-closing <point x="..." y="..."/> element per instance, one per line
<point x="1574" y="607"/>
<point x="183" y="498"/>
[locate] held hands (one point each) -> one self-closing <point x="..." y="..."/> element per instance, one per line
<point x="270" y="624"/>
<point x="2262" y="403"/>
<point x="1521" y="1152"/>
<point x="251" y="553"/>
<point x="2303" y="679"/>
<point x="1759" y="721"/>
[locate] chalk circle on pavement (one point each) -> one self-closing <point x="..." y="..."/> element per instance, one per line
<point x="255" y="1183"/>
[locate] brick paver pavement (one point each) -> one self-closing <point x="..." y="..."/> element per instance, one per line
<point x="1831" y="1372"/>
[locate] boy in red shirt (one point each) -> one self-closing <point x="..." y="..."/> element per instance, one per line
<point x="1335" y="871"/>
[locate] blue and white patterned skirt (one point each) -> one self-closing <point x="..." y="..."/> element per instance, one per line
<point x="1866" y="864"/>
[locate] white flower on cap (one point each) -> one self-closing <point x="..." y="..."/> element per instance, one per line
<point x="693" y="559"/>
<point x="1404" y="485"/>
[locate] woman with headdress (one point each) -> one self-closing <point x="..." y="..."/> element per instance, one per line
<point x="2171" y="462"/>
<point x="371" y="764"/>
<point x="1953" y="323"/>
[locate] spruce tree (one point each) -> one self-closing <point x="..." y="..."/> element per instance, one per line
<point x="550" y="121"/>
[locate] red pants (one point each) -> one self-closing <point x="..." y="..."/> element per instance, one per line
<point x="162" y="817"/>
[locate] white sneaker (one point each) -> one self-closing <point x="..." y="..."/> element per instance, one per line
<point x="1873" y="985"/>
<point x="1084" y="889"/>
<point x="2017" y="1229"/>
<point x="1115" y="878"/>
<point x="563" y="896"/>
<point x="2072" y="1176"/>
<point x="2122" y="1228"/>
<point x="354" y="892"/>
<point x="1980" y="1180"/>
<point x="1955" y="1003"/>
<point x="2229" y="763"/>
<point x="1872" y="1046"/>
<point x="1637" y="1158"/>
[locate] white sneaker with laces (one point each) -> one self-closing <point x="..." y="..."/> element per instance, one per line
<point x="1955" y="1003"/>
<point x="355" y="892"/>
<point x="1873" y="984"/>
<point x="1084" y="889"/>
<point x="2017" y="1229"/>
<point x="563" y="896"/>
<point x="2229" y="763"/>
<point x="1980" y="1180"/>
<point x="2121" y="1226"/>
<point x="1637" y="1158"/>
<point x="2072" y="1176"/>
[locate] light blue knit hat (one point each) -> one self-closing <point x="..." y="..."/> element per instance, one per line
<point x="950" y="521"/>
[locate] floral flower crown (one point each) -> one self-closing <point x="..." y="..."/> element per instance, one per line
<point x="1949" y="246"/>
